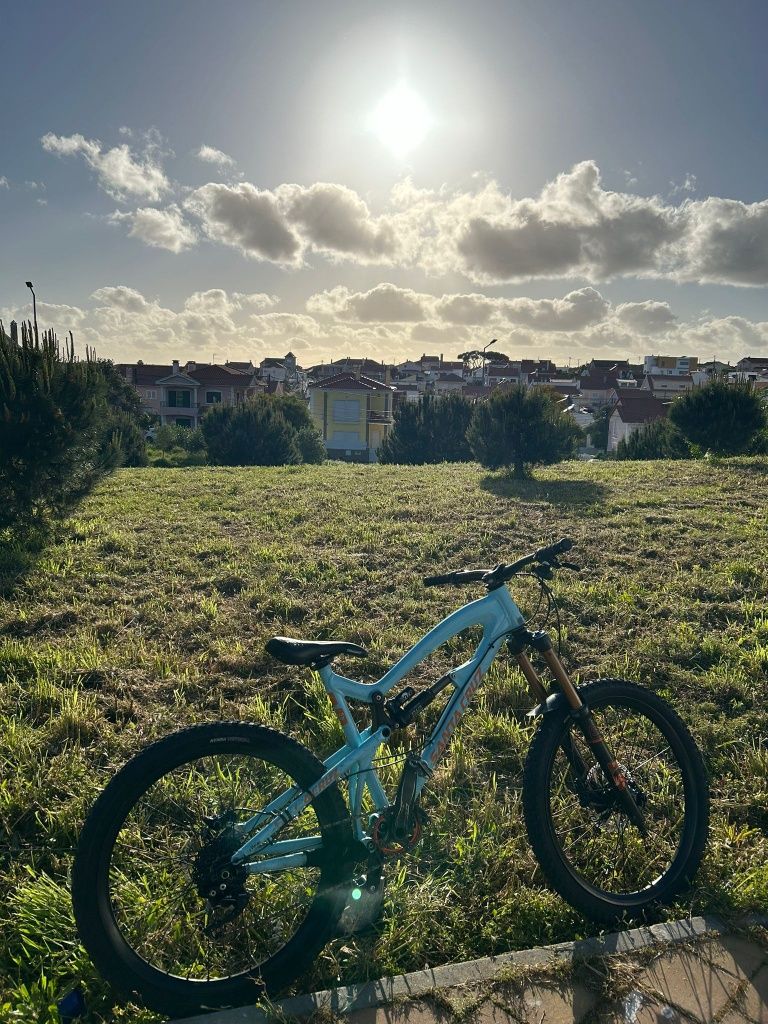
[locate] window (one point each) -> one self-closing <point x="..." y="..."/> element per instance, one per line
<point x="346" y="410"/>
<point x="183" y="421"/>
<point x="180" y="399"/>
<point x="345" y="439"/>
<point x="150" y="393"/>
<point x="213" y="398"/>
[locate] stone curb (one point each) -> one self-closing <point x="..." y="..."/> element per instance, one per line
<point x="418" y="983"/>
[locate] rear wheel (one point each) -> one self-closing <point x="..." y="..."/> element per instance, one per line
<point x="588" y="848"/>
<point x="164" y="914"/>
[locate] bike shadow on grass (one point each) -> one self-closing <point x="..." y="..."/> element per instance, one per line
<point x="568" y="493"/>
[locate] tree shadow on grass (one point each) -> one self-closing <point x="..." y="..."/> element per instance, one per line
<point x="570" y="493"/>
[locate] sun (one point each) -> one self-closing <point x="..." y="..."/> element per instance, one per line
<point x="401" y="120"/>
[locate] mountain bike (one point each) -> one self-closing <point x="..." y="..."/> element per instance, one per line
<point x="219" y="861"/>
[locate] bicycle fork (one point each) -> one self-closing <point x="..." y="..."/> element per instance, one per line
<point x="541" y="642"/>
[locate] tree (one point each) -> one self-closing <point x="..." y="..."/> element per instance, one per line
<point x="598" y="428"/>
<point x="432" y="430"/>
<point x="520" y="428"/>
<point x="55" y="440"/>
<point x="720" y="417"/>
<point x="255" y="433"/>
<point x="657" y="440"/>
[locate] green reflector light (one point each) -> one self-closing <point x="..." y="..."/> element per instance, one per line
<point x="357" y="894"/>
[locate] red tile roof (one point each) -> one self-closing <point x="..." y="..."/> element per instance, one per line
<point x="349" y="382"/>
<point x="639" y="408"/>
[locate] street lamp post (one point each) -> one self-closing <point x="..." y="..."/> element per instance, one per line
<point x="34" y="306"/>
<point x="484" y="362"/>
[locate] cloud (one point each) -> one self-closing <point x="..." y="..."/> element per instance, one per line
<point x="386" y="303"/>
<point x="121" y="297"/>
<point x="216" y="300"/>
<point x="334" y="219"/>
<point x="120" y="174"/>
<point x="727" y="242"/>
<point x="211" y="155"/>
<point x="246" y="218"/>
<point x="161" y="229"/>
<point x="4" y="182"/>
<point x="646" y="317"/>
<point x="575" y="227"/>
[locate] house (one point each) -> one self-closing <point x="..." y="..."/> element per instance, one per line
<point x="178" y="401"/>
<point x="353" y="414"/>
<point x="180" y="395"/>
<point x="441" y="383"/>
<point x="599" y="388"/>
<point x="673" y="366"/>
<point x="753" y="364"/>
<point x="367" y="367"/>
<point x="633" y="410"/>
<point x="666" y="387"/>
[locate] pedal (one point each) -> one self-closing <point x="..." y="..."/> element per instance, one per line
<point x="363" y="904"/>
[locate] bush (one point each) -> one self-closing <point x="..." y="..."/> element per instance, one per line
<point x="252" y="434"/>
<point x="657" y="440"/>
<point x="310" y="445"/>
<point x="720" y="417"/>
<point x="170" y="436"/>
<point x="521" y="428"/>
<point x="432" y="430"/>
<point x="269" y="430"/>
<point x="55" y="428"/>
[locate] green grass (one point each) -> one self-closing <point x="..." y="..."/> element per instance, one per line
<point x="152" y="609"/>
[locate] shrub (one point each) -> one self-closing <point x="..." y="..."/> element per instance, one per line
<point x="55" y="436"/>
<point x="720" y="417"/>
<point x="657" y="440"/>
<point x="521" y="428"/>
<point x="432" y="430"/>
<point x="269" y="430"/>
<point x="310" y="445"/>
<point x="252" y="434"/>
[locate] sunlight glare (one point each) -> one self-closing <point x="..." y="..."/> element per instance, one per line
<point x="401" y="120"/>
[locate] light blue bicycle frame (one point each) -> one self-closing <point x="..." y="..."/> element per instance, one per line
<point x="262" y="852"/>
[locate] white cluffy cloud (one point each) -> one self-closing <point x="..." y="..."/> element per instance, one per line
<point x="281" y="225"/>
<point x="388" y="303"/>
<point x="161" y="229"/>
<point x="385" y="322"/>
<point x="211" y="155"/>
<point x="574" y="229"/>
<point x="120" y="173"/>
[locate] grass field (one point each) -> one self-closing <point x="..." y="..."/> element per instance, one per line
<point x="152" y="609"/>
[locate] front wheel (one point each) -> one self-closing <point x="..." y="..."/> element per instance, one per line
<point x="162" y="911"/>
<point x="589" y="850"/>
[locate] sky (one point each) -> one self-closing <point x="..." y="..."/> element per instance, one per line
<point x="231" y="180"/>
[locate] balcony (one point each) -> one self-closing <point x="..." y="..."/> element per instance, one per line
<point x="179" y="410"/>
<point x="379" y="417"/>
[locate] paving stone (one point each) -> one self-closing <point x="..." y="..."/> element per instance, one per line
<point x="755" y="1001"/>
<point x="690" y="982"/>
<point x="561" y="1005"/>
<point x="734" y="954"/>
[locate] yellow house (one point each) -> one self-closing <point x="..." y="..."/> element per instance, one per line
<point x="353" y="413"/>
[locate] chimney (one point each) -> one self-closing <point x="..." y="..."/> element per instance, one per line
<point x="191" y="365"/>
<point x="175" y="368"/>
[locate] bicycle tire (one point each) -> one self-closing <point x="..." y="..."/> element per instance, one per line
<point x="546" y="836"/>
<point x="119" y="963"/>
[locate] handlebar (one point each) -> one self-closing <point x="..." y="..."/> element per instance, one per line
<point x="495" y="577"/>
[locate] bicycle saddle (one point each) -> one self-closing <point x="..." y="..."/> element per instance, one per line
<point x="311" y="652"/>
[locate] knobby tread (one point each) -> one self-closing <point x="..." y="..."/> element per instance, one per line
<point x="115" y="960"/>
<point x="537" y="810"/>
